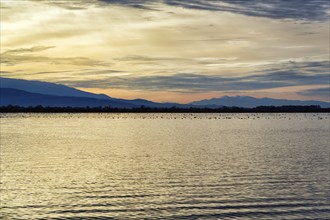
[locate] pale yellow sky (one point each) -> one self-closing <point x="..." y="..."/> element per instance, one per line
<point x="165" y="52"/>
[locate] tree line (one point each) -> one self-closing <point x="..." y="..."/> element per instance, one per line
<point x="145" y="109"/>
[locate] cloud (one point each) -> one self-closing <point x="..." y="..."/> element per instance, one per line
<point x="28" y="50"/>
<point x="278" y="9"/>
<point x="204" y="83"/>
<point x="27" y="55"/>
<point x="4" y="73"/>
<point x="146" y="58"/>
<point x="141" y="4"/>
<point x="321" y="92"/>
<point x="53" y="76"/>
<point x="292" y="77"/>
<point x="85" y="4"/>
<point x="309" y="64"/>
<point x="70" y="5"/>
<point x="294" y="70"/>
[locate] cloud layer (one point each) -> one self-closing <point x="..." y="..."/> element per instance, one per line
<point x="27" y="55"/>
<point x="196" y="47"/>
<point x="191" y="82"/>
<point x="313" y="10"/>
<point x="278" y="9"/>
<point x="324" y="92"/>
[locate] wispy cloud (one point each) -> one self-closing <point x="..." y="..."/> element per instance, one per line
<point x="27" y="55"/>
<point x="321" y="92"/>
<point x="279" y="9"/>
<point x="204" y="83"/>
<point x="141" y="4"/>
<point x="27" y="50"/>
<point x="146" y="58"/>
<point x="70" y="5"/>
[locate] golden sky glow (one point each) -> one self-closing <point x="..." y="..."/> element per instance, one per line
<point x="166" y="52"/>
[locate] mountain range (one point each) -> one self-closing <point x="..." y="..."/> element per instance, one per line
<point x="250" y="102"/>
<point x="32" y="93"/>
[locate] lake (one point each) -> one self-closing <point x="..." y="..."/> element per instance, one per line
<point x="165" y="166"/>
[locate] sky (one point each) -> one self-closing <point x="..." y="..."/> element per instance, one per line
<point x="171" y="50"/>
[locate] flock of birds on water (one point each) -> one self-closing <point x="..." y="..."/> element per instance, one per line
<point x="177" y="116"/>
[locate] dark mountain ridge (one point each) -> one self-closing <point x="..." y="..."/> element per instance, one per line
<point x="32" y="93"/>
<point x="9" y="96"/>
<point x="47" y="88"/>
<point x="251" y="102"/>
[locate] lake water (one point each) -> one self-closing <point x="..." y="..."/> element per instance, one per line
<point x="165" y="166"/>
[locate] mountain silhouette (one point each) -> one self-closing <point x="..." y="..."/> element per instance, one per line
<point x="18" y="97"/>
<point x="29" y="93"/>
<point x="250" y="102"/>
<point x="47" y="88"/>
<point x="32" y="93"/>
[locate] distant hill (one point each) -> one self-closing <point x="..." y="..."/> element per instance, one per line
<point x="47" y="88"/>
<point x="32" y="93"/>
<point x="18" y="97"/>
<point x="250" y="102"/>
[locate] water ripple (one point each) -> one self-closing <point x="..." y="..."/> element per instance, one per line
<point x="138" y="166"/>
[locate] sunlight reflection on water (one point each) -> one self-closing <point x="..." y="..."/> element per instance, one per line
<point x="165" y="166"/>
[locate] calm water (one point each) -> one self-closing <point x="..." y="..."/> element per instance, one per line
<point x="165" y="166"/>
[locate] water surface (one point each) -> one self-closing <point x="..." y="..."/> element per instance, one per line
<point x="165" y="166"/>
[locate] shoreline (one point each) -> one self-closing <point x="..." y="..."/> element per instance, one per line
<point x="260" y="109"/>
